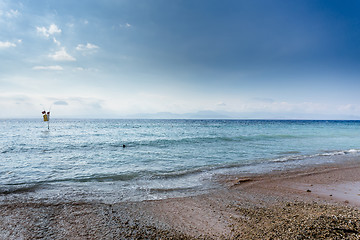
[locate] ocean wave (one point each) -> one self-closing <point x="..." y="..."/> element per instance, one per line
<point x="324" y="154"/>
<point x="57" y="145"/>
<point x="194" y="172"/>
<point x="27" y="149"/>
<point x="290" y="152"/>
<point x="107" y="177"/>
<point x="254" y="162"/>
<point x="183" y="173"/>
<point x="19" y="188"/>
<point x="202" y="140"/>
<point x="169" y="190"/>
<point x="353" y="151"/>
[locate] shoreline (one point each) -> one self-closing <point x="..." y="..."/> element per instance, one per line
<point x="321" y="201"/>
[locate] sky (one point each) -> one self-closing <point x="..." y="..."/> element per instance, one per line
<point x="283" y="59"/>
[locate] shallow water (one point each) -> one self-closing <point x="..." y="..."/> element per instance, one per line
<point x="82" y="159"/>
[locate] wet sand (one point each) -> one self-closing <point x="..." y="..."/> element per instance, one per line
<point x="313" y="203"/>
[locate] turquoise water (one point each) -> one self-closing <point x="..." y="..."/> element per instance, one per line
<point x="82" y="159"/>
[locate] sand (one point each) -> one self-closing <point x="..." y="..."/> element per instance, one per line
<point x="313" y="203"/>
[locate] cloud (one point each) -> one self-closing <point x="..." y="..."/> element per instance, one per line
<point x="82" y="47"/>
<point x="14" y="97"/>
<point x="265" y="100"/>
<point x="60" y="102"/>
<point x="53" y="29"/>
<point x="56" y="41"/>
<point x="221" y="104"/>
<point x="7" y="44"/>
<point x="79" y="102"/>
<point x="126" y="25"/>
<point x="77" y="106"/>
<point x="87" y="103"/>
<point x="10" y="14"/>
<point x="88" y="48"/>
<point x="80" y="69"/>
<point x="55" y="68"/>
<point x="62" y="55"/>
<point x="18" y="104"/>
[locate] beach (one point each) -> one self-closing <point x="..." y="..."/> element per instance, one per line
<point x="311" y="203"/>
<point x="179" y="119"/>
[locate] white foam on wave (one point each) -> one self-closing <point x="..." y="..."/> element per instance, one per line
<point x="335" y="153"/>
<point x="327" y="154"/>
<point x="354" y="151"/>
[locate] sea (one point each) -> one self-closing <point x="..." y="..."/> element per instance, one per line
<point x="134" y="160"/>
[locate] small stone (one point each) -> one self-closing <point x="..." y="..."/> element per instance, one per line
<point x="308" y="190"/>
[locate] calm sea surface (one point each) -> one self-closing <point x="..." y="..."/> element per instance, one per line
<point x="85" y="159"/>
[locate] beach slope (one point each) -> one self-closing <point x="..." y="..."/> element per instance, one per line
<point x="321" y="202"/>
